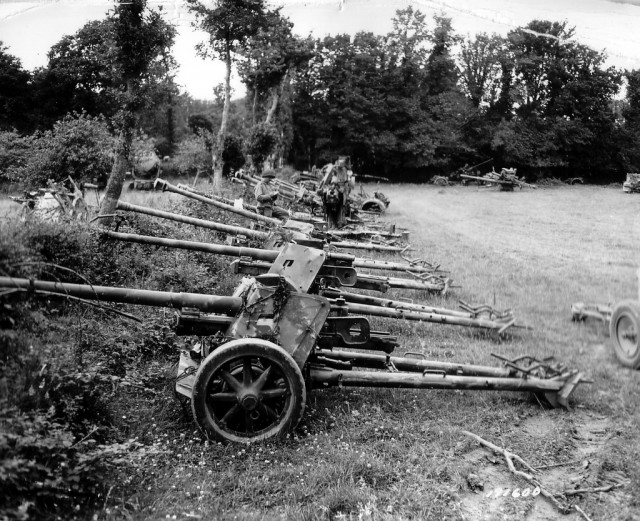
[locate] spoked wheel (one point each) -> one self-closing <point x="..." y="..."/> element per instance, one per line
<point x="625" y="332"/>
<point x="248" y="390"/>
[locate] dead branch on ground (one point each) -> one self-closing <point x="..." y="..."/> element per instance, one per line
<point x="509" y="457"/>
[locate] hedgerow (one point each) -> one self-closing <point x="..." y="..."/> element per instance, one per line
<point x="72" y="372"/>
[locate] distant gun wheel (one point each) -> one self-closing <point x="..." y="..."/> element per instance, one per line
<point x="625" y="332"/>
<point x="248" y="390"/>
<point x="373" y="206"/>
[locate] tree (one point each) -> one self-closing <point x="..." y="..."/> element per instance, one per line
<point x="79" y="76"/>
<point x="480" y="67"/>
<point x="140" y="38"/>
<point x="79" y="146"/>
<point x="229" y="25"/>
<point x="629" y="133"/>
<point x="539" y="50"/>
<point x="267" y="68"/>
<point x="14" y="93"/>
<point x="441" y="70"/>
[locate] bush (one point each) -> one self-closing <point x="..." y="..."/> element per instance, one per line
<point x="193" y="154"/>
<point x="261" y="142"/>
<point x="232" y="155"/>
<point x="75" y="371"/>
<point x="14" y="155"/>
<point x="79" y="146"/>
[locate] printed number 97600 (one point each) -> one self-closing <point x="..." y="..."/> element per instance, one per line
<point x="515" y="493"/>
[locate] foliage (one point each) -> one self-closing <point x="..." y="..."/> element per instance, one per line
<point x="199" y="122"/>
<point x="14" y="92"/>
<point x="141" y="43"/>
<point x="480" y="64"/>
<point x="193" y="154"/>
<point x="15" y="151"/>
<point x="79" y="146"/>
<point x="232" y="153"/>
<point x="65" y="448"/>
<point x="260" y="143"/>
<point x="229" y="25"/>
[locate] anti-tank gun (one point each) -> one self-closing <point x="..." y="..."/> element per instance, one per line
<point x="506" y="179"/>
<point x="378" y="239"/>
<point x="337" y="274"/>
<point x="339" y="268"/>
<point x="272" y="340"/>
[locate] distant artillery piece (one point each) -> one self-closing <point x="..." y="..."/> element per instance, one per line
<point x="58" y="201"/>
<point x="624" y="326"/>
<point x="271" y="222"/>
<point x="440" y="180"/>
<point x="632" y="184"/>
<point x="288" y="191"/>
<point x="506" y="179"/>
<point x="581" y="311"/>
<point x="456" y="176"/>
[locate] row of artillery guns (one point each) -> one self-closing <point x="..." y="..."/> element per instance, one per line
<point x="308" y="190"/>
<point x="296" y="325"/>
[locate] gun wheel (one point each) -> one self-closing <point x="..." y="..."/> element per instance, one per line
<point x="248" y="390"/>
<point x="625" y="332"/>
<point x="373" y="206"/>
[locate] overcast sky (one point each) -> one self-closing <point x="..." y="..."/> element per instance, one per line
<point x="30" y="28"/>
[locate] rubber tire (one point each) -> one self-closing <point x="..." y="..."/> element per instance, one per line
<point x="626" y="316"/>
<point x="373" y="206"/>
<point x="231" y="354"/>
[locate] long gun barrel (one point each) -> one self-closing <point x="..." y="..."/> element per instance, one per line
<point x="206" y="303"/>
<point x="421" y="316"/>
<point x="363" y="280"/>
<point x="211" y="225"/>
<point x="237" y="230"/>
<point x="168" y="187"/>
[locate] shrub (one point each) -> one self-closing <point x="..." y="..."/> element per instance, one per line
<point x="14" y="155"/>
<point x="193" y="154"/>
<point x="261" y="142"/>
<point x="79" y="146"/>
<point x="232" y="155"/>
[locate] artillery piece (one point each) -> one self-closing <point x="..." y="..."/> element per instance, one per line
<point x="271" y="341"/>
<point x="318" y="229"/>
<point x="507" y="179"/>
<point x="340" y="270"/>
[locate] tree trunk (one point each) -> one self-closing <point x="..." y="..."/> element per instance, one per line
<point x="116" y="179"/>
<point x="217" y="153"/>
<point x="122" y="162"/>
<point x="277" y="92"/>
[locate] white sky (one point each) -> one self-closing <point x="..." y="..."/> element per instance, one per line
<point x="30" y="28"/>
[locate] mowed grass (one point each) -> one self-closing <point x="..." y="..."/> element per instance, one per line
<point x="400" y="454"/>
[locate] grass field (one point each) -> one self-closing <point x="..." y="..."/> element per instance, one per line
<point x="397" y="454"/>
<point x="378" y="454"/>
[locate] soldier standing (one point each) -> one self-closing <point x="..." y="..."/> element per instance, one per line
<point x="266" y="194"/>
